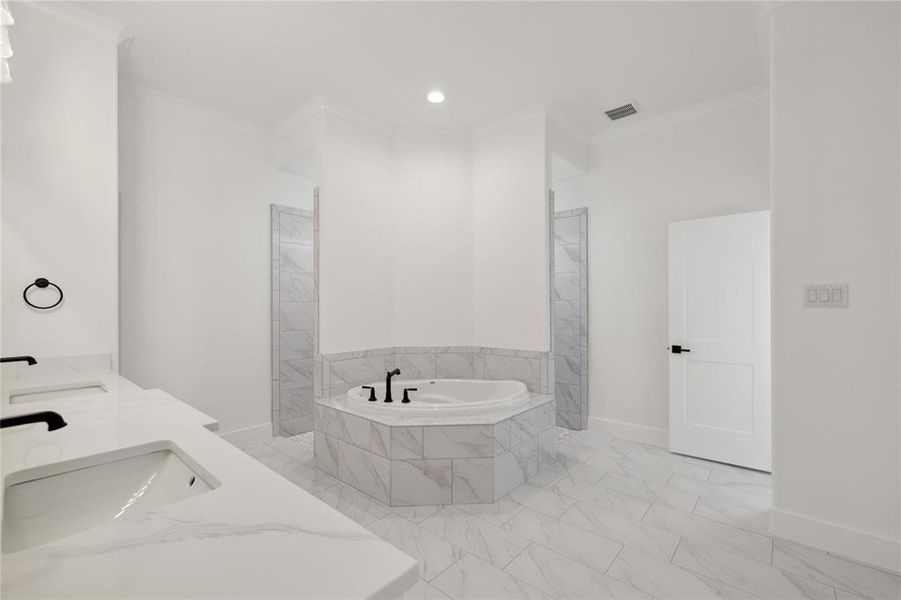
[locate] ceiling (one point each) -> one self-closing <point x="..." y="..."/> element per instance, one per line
<point x="259" y="60"/>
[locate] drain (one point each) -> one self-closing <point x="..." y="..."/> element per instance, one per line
<point x="193" y="479"/>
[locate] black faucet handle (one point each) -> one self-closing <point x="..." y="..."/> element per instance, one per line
<point x="371" y="392"/>
<point x="406" y="397"/>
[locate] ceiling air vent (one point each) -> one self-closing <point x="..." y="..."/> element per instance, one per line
<point x="619" y="112"/>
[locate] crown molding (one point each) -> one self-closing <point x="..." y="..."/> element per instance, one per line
<point x="209" y="115"/>
<point x="567" y="124"/>
<point x="628" y="129"/>
<point x="519" y="117"/>
<point x="360" y="118"/>
<point x="303" y="113"/>
<point x="432" y="135"/>
<point x="90" y="22"/>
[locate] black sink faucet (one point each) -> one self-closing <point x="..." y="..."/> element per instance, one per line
<point x="27" y="359"/>
<point x="53" y="420"/>
<point x="388" y="384"/>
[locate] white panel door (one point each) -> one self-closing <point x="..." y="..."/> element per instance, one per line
<point x="719" y="331"/>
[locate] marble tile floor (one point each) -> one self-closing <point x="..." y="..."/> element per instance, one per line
<point x="613" y="519"/>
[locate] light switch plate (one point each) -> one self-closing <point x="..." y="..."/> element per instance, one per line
<point x="826" y="295"/>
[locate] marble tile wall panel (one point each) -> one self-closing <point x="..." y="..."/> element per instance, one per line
<point x="473" y="481"/>
<point x="417" y="366"/>
<point x="458" y="441"/>
<point x="455" y="366"/>
<point x="423" y="465"/>
<point x="420" y="482"/>
<point x="569" y="321"/>
<point x="294" y="315"/>
<point x="352" y="372"/>
<point x="513" y="367"/>
<point x="364" y="471"/>
<point x="406" y="442"/>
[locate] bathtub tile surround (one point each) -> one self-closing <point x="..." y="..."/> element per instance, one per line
<point x="294" y="319"/>
<point x="404" y="465"/>
<point x="570" y="317"/>
<point x="344" y="370"/>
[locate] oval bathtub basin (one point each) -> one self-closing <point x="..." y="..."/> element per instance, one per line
<point x="439" y="397"/>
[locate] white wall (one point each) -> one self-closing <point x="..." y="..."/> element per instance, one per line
<point x="195" y="252"/>
<point x="433" y="243"/>
<point x="713" y="163"/>
<point x="510" y="236"/>
<point x="356" y="276"/>
<point x="59" y="185"/>
<point x="835" y="110"/>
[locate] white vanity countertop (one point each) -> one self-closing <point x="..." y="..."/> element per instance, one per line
<point x="257" y="535"/>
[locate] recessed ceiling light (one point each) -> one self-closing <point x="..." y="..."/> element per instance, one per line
<point x="435" y="97"/>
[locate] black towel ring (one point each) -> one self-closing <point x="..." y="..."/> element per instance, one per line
<point x="42" y="283"/>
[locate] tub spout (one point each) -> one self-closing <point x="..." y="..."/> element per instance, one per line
<point x="388" y="377"/>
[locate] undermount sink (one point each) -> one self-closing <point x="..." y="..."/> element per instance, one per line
<point x="52" y="502"/>
<point x="57" y="392"/>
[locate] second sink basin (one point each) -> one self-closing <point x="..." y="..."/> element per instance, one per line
<point x="48" y="503"/>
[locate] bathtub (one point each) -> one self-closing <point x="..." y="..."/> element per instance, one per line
<point x="436" y="398"/>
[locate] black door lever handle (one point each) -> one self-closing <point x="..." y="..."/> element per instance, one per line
<point x="677" y="349"/>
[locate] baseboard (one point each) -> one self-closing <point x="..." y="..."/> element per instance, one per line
<point x="630" y="431"/>
<point x="240" y="437"/>
<point x="860" y="546"/>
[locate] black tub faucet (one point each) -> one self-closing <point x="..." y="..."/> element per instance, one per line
<point x="53" y="420"/>
<point x="26" y="359"/>
<point x="388" y="384"/>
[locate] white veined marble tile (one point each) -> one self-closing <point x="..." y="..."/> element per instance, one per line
<point x="433" y="553"/>
<point x="733" y="514"/>
<point x="423" y="590"/>
<point x="746" y="543"/>
<point x="455" y="366"/>
<point x="672" y="463"/>
<point x="363" y="470"/>
<point x="567" y="286"/>
<point x="292" y="447"/>
<point x="326" y="451"/>
<point x="562" y="577"/>
<point x="345" y="427"/>
<point x="379" y="438"/>
<point x="722" y="492"/>
<point x="581" y="545"/>
<point x="837" y="572"/>
<point x="471" y="577"/>
<point x="605" y="498"/>
<point x="496" y="513"/>
<point x="542" y="500"/>
<point x="512" y="367"/>
<point x="415" y="482"/>
<point x="356" y="505"/>
<point x="406" y="442"/>
<point x="567" y="369"/>
<point x="306" y="477"/>
<point x="502" y="436"/>
<point x="486" y="541"/>
<point x="746" y="480"/>
<point x="416" y="366"/>
<point x="547" y="449"/>
<point x="662" y="579"/>
<point x="417" y="514"/>
<point x="458" y="441"/>
<point x="738" y="571"/>
<point x="567" y="258"/>
<point x="473" y="480"/>
<point x="567" y="230"/>
<point x="650" y="491"/>
<point x="653" y="540"/>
